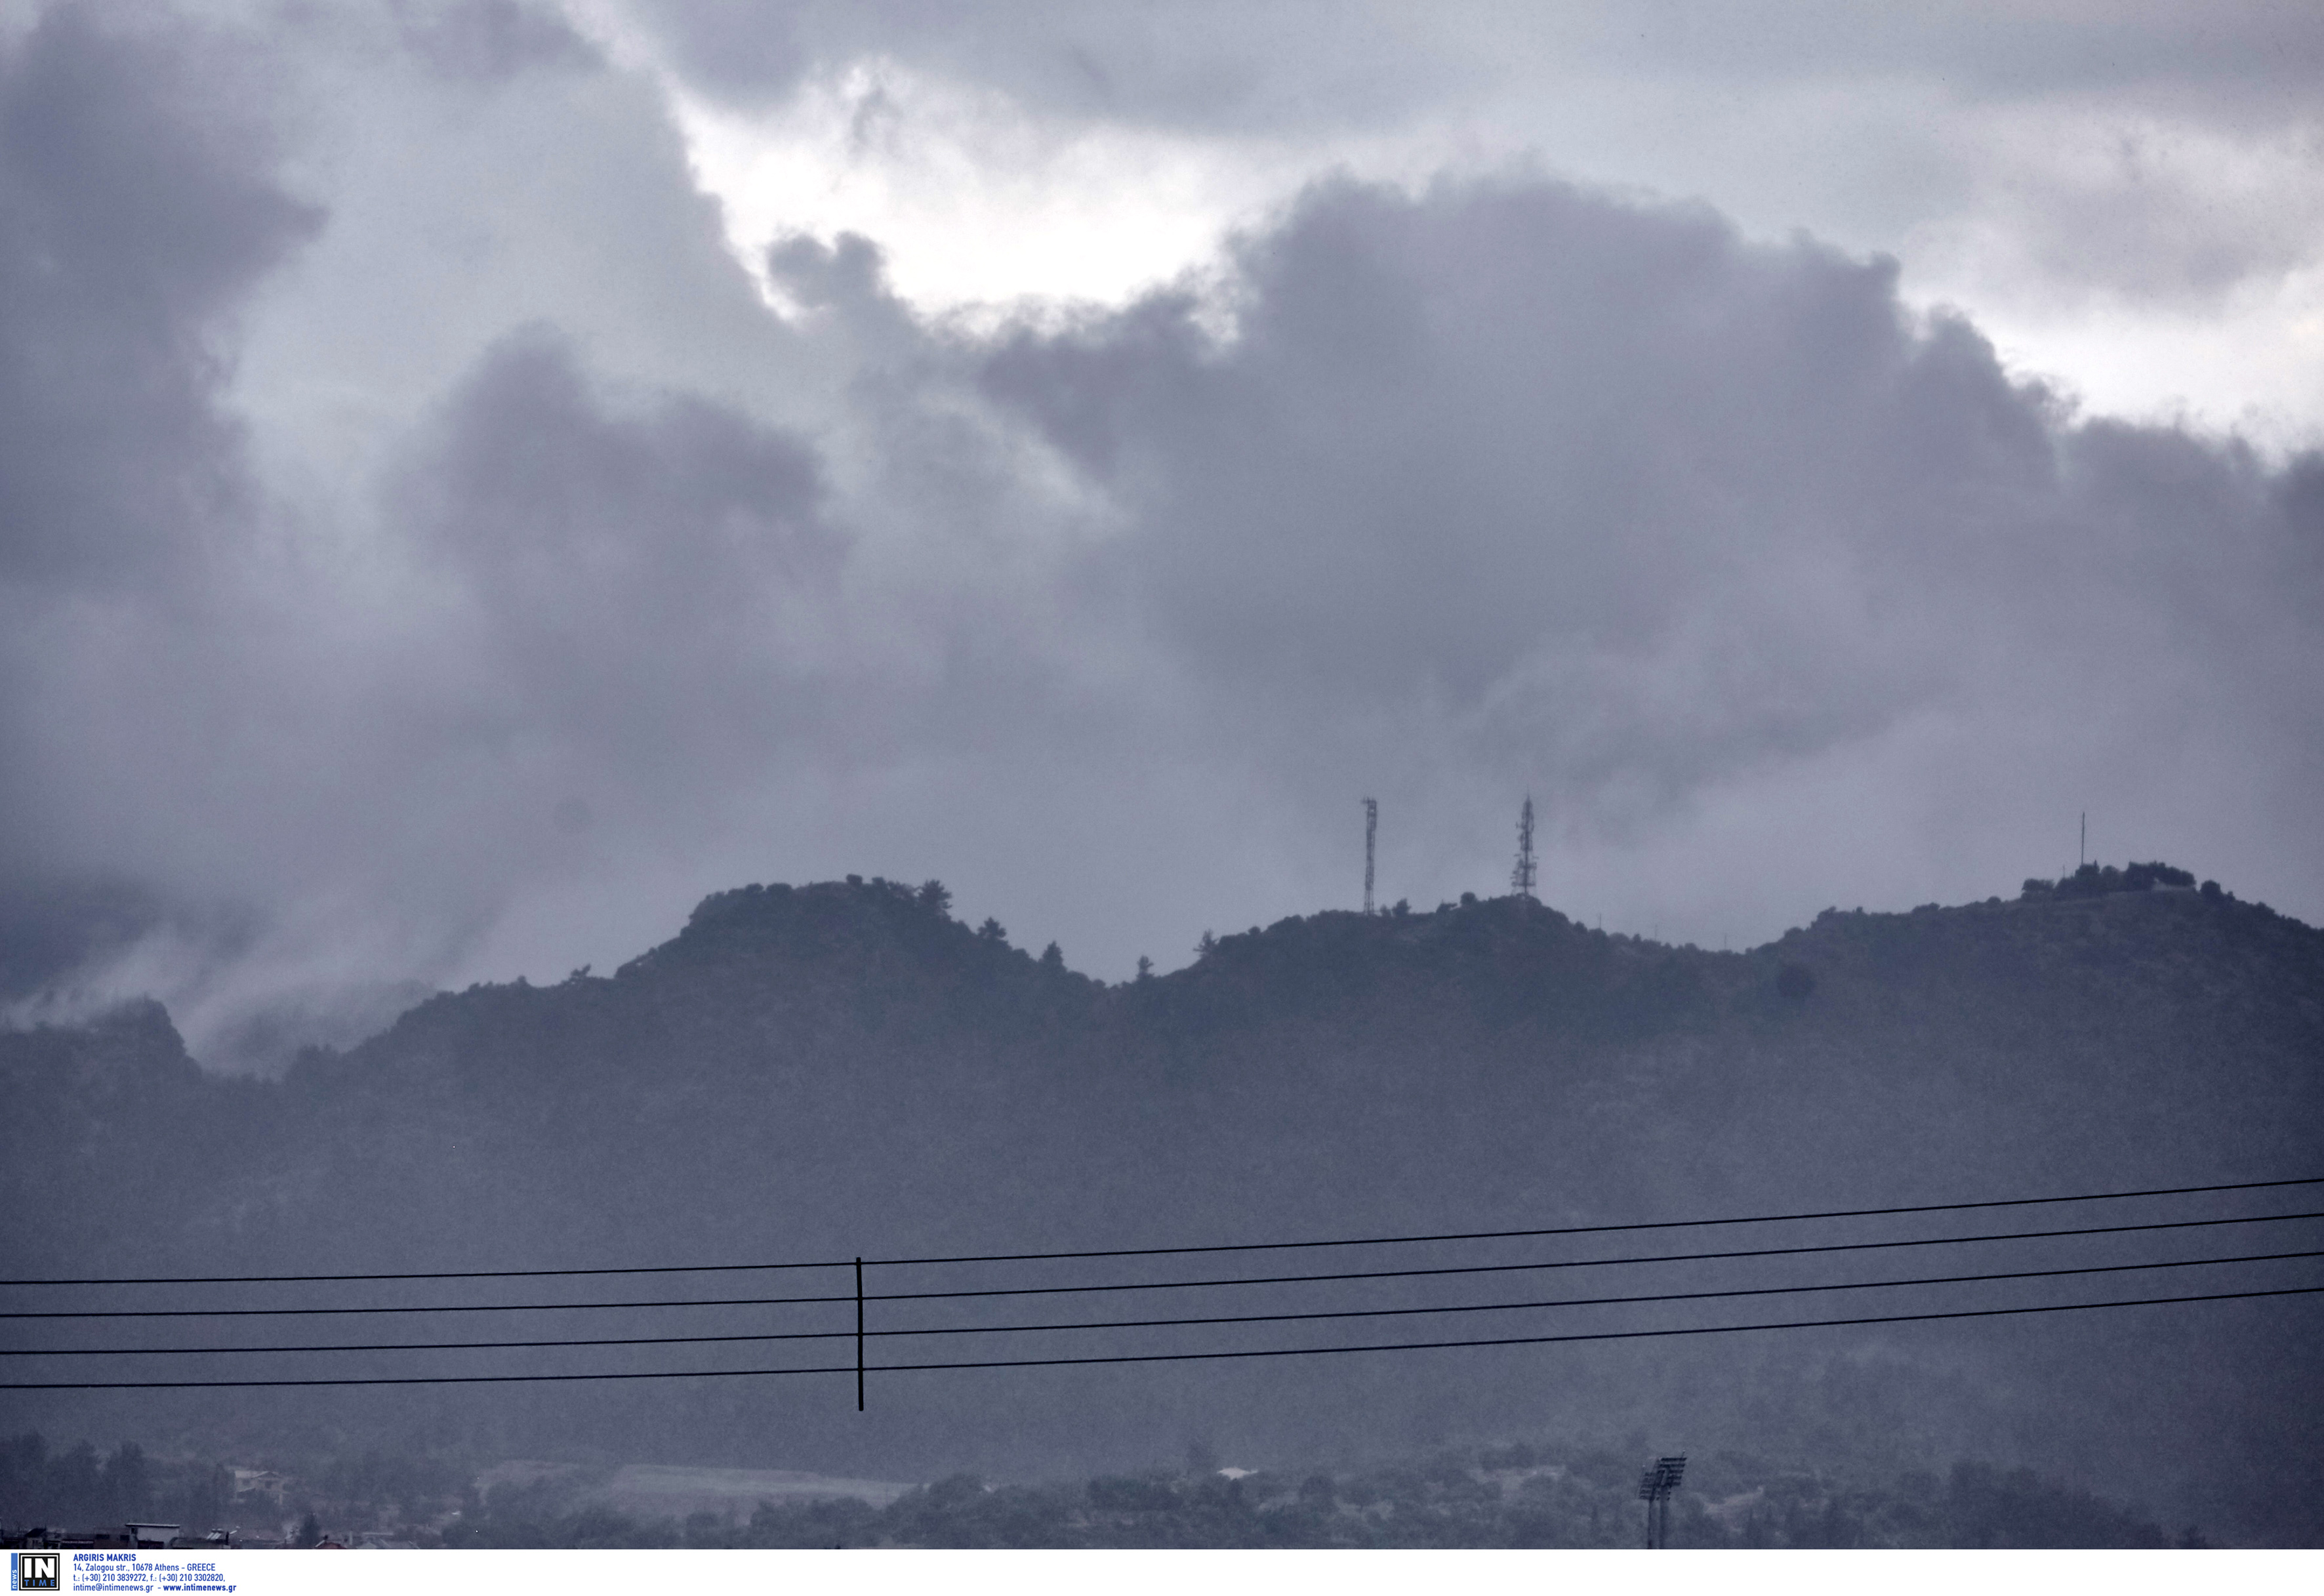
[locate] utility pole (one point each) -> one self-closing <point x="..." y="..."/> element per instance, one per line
<point x="1371" y="831"/>
<point x="1521" y="879"/>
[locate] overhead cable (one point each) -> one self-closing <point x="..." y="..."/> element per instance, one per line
<point x="1513" y="1341"/>
<point x="1581" y="1263"/>
<point x="1485" y="1307"/>
<point x="2180" y="1190"/>
<point x="1488" y="1268"/>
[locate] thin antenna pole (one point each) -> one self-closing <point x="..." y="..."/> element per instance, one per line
<point x="2082" y="851"/>
<point x="1521" y="879"/>
<point x="858" y="1335"/>
<point x="1371" y="832"/>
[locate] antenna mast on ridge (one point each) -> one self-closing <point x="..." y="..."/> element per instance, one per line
<point x="1521" y="879"/>
<point x="1371" y="830"/>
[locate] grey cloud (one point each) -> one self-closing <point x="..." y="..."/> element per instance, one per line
<point x="2151" y="151"/>
<point x="1452" y="434"/>
<point x="357" y="732"/>
<point x="589" y="621"/>
<point x="215" y="718"/>
<point x="1602" y="499"/>
<point x="847" y="272"/>
<point x="135" y="214"/>
<point x="731" y="47"/>
<point x="625" y="568"/>
<point x="618" y="611"/>
<point x="1509" y="484"/>
<point x="51" y="929"/>
<point x="1975" y="48"/>
<point x="1208" y="64"/>
<point x="490" y="39"/>
<point x="1290" y="65"/>
<point x="132" y="216"/>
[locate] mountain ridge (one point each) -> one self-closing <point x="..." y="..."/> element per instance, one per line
<point x="843" y="1069"/>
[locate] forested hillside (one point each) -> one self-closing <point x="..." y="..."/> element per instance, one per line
<point x="841" y="1070"/>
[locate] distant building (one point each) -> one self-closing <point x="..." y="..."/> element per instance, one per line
<point x="259" y="1484"/>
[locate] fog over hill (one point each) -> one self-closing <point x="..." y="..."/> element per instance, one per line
<point x="844" y="1070"/>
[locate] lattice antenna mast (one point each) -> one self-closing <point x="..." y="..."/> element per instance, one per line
<point x="1371" y="833"/>
<point x="1521" y="879"/>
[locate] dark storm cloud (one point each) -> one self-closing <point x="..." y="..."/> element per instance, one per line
<point x="1611" y="501"/>
<point x="631" y="578"/>
<point x="589" y="622"/>
<point x="138" y="206"/>
<point x="132" y="216"/>
<point x="214" y="722"/>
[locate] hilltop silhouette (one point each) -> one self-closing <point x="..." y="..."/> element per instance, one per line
<point x="844" y="1069"/>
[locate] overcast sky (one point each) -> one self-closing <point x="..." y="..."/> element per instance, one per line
<point x="477" y="476"/>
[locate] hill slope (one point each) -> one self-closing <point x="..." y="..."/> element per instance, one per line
<point x="838" y="1070"/>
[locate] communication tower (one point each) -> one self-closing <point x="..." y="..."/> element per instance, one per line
<point x="1521" y="879"/>
<point x="1371" y="832"/>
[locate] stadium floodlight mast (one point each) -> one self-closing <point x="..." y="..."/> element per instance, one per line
<point x="1655" y="1487"/>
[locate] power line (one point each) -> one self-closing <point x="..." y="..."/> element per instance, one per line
<point x="1528" y="1341"/>
<point x="1513" y="1341"/>
<point x="665" y="1269"/>
<point x="1604" y="1229"/>
<point x="484" y="1307"/>
<point x="1583" y="1263"/>
<point x="1488" y="1268"/>
<point x="2182" y="1190"/>
<point x="1485" y="1307"/>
